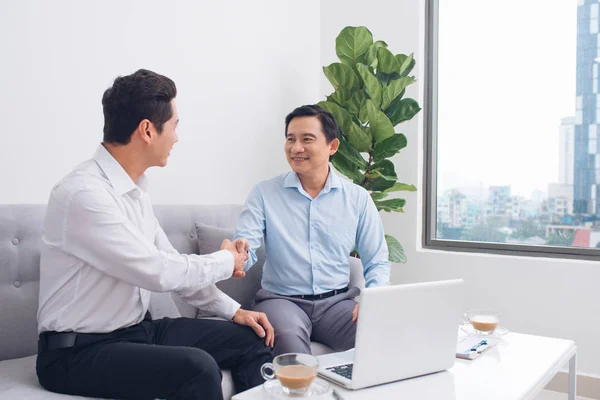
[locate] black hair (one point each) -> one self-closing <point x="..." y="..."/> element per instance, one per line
<point x="133" y="98"/>
<point x="328" y="122"/>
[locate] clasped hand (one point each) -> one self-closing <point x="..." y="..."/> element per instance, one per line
<point x="239" y="249"/>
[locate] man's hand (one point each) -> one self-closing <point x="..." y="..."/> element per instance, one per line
<point x="242" y="245"/>
<point x="257" y="321"/>
<point x="355" y="313"/>
<point x="239" y="258"/>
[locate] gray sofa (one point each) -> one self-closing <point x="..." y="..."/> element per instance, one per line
<point x="190" y="228"/>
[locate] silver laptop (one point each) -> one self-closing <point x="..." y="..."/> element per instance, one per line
<point x="403" y="331"/>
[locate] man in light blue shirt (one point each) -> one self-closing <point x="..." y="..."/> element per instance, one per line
<point x="311" y="220"/>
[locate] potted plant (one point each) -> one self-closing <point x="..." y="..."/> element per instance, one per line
<point x="368" y="102"/>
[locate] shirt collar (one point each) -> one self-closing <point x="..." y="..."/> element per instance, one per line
<point x="115" y="173"/>
<point x="333" y="180"/>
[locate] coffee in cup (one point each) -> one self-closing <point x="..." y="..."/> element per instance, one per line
<point x="295" y="372"/>
<point x="484" y="322"/>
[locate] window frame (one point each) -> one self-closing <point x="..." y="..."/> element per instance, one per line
<point x="430" y="168"/>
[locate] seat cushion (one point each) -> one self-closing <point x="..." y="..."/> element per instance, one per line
<point x="18" y="380"/>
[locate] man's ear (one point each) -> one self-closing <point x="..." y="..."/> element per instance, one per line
<point x="333" y="146"/>
<point x="144" y="130"/>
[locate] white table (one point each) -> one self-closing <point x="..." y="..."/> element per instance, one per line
<point x="518" y="370"/>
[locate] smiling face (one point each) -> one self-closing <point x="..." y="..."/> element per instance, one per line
<point x="306" y="147"/>
<point x="163" y="142"/>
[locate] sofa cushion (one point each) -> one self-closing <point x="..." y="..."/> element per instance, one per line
<point x="18" y="380"/>
<point x="241" y="290"/>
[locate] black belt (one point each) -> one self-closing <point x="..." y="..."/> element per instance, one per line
<point x="56" y="340"/>
<point x="320" y="296"/>
<point x="52" y="340"/>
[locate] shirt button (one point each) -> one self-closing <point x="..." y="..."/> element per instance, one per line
<point x="17" y="284"/>
<point x="16" y="241"/>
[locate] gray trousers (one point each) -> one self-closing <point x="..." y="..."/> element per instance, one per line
<point x="297" y="322"/>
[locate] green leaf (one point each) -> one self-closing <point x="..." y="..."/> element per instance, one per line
<point x="407" y="63"/>
<point x="396" y="252"/>
<point x="372" y="85"/>
<point x="389" y="147"/>
<point x="387" y="63"/>
<point x="342" y="76"/>
<point x="379" y="184"/>
<point x="363" y="114"/>
<point x="384" y="168"/>
<point x="401" y="187"/>
<point x="372" y="53"/>
<point x="356" y="136"/>
<point x="341" y="96"/>
<point x="351" y="154"/>
<point x="395" y="88"/>
<point x="391" y="205"/>
<point x="402" y="110"/>
<point x="378" y="195"/>
<point x="385" y="79"/>
<point x="380" y="126"/>
<point x="377" y="174"/>
<point x="352" y="44"/>
<point x="348" y="169"/>
<point x="356" y="102"/>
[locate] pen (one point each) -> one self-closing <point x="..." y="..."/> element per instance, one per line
<point x="478" y="345"/>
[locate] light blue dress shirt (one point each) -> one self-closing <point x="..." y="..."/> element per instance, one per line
<point x="308" y="241"/>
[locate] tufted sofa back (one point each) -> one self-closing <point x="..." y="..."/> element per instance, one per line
<point x="20" y="239"/>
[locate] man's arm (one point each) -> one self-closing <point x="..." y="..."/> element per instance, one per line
<point x="371" y="245"/>
<point x="98" y="233"/>
<point x="210" y="298"/>
<point x="213" y="300"/>
<point x="251" y="225"/>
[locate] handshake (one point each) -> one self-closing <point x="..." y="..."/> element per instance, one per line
<point x="239" y="249"/>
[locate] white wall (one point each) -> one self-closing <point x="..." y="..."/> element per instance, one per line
<point x="549" y="297"/>
<point x="240" y="67"/>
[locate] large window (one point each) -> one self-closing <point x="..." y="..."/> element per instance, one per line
<point x="512" y="116"/>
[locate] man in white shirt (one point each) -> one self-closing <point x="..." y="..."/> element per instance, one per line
<point x="103" y="254"/>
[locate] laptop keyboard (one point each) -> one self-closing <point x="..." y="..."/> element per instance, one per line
<point x="344" y="370"/>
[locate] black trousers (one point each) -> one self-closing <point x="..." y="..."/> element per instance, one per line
<point x="167" y="359"/>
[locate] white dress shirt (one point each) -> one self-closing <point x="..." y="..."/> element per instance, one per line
<point x="103" y="252"/>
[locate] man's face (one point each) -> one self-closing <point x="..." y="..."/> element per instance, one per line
<point x="163" y="142"/>
<point x="306" y="147"/>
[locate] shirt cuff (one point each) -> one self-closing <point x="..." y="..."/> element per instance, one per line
<point x="225" y="306"/>
<point x="224" y="259"/>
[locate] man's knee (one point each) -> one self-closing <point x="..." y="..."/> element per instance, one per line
<point x="290" y="340"/>
<point x="196" y="362"/>
<point x="348" y="341"/>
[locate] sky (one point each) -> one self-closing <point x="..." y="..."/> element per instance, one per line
<point x="506" y="78"/>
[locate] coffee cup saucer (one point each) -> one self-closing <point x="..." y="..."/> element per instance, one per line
<point x="318" y="389"/>
<point x="498" y="332"/>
